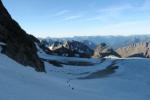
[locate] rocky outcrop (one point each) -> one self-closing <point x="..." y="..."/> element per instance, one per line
<point x="103" y="50"/>
<point x="135" y="50"/>
<point x="19" y="45"/>
<point x="70" y="49"/>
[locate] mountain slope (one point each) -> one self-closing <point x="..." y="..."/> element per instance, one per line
<point x="102" y="50"/>
<point x="135" y="50"/>
<point x="68" y="48"/>
<point x="19" y="45"/>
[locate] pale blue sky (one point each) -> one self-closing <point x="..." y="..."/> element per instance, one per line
<point x="65" y="18"/>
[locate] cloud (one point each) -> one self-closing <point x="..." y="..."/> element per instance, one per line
<point x="67" y="15"/>
<point x="110" y="13"/>
<point x="115" y="9"/>
<point x="73" y="17"/>
<point x="61" y="13"/>
<point x="118" y="12"/>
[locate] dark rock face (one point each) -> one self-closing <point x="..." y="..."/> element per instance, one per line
<point x="19" y="45"/>
<point x="103" y="50"/>
<point x="135" y="50"/>
<point x="70" y="49"/>
<point x="89" y="44"/>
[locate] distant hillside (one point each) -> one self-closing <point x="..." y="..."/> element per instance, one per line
<point x="67" y="48"/>
<point x="113" y="41"/>
<point x="135" y="50"/>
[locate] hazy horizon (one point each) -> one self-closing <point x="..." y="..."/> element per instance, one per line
<point x="69" y="18"/>
<point x="132" y="35"/>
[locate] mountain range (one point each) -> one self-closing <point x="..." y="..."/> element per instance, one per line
<point x="113" y="41"/>
<point x="138" y="46"/>
<point x="79" y="68"/>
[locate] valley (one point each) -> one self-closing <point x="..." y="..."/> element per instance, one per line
<point x="112" y="67"/>
<point x="129" y="81"/>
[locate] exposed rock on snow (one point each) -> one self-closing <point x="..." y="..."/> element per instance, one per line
<point x="135" y="50"/>
<point x="103" y="50"/>
<point x="129" y="82"/>
<point x="70" y="49"/>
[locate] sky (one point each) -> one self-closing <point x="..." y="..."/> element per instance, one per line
<point x="68" y="18"/>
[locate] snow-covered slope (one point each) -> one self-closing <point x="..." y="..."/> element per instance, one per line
<point x="129" y="82"/>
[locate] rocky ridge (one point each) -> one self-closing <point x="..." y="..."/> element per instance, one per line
<point x="20" y="46"/>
